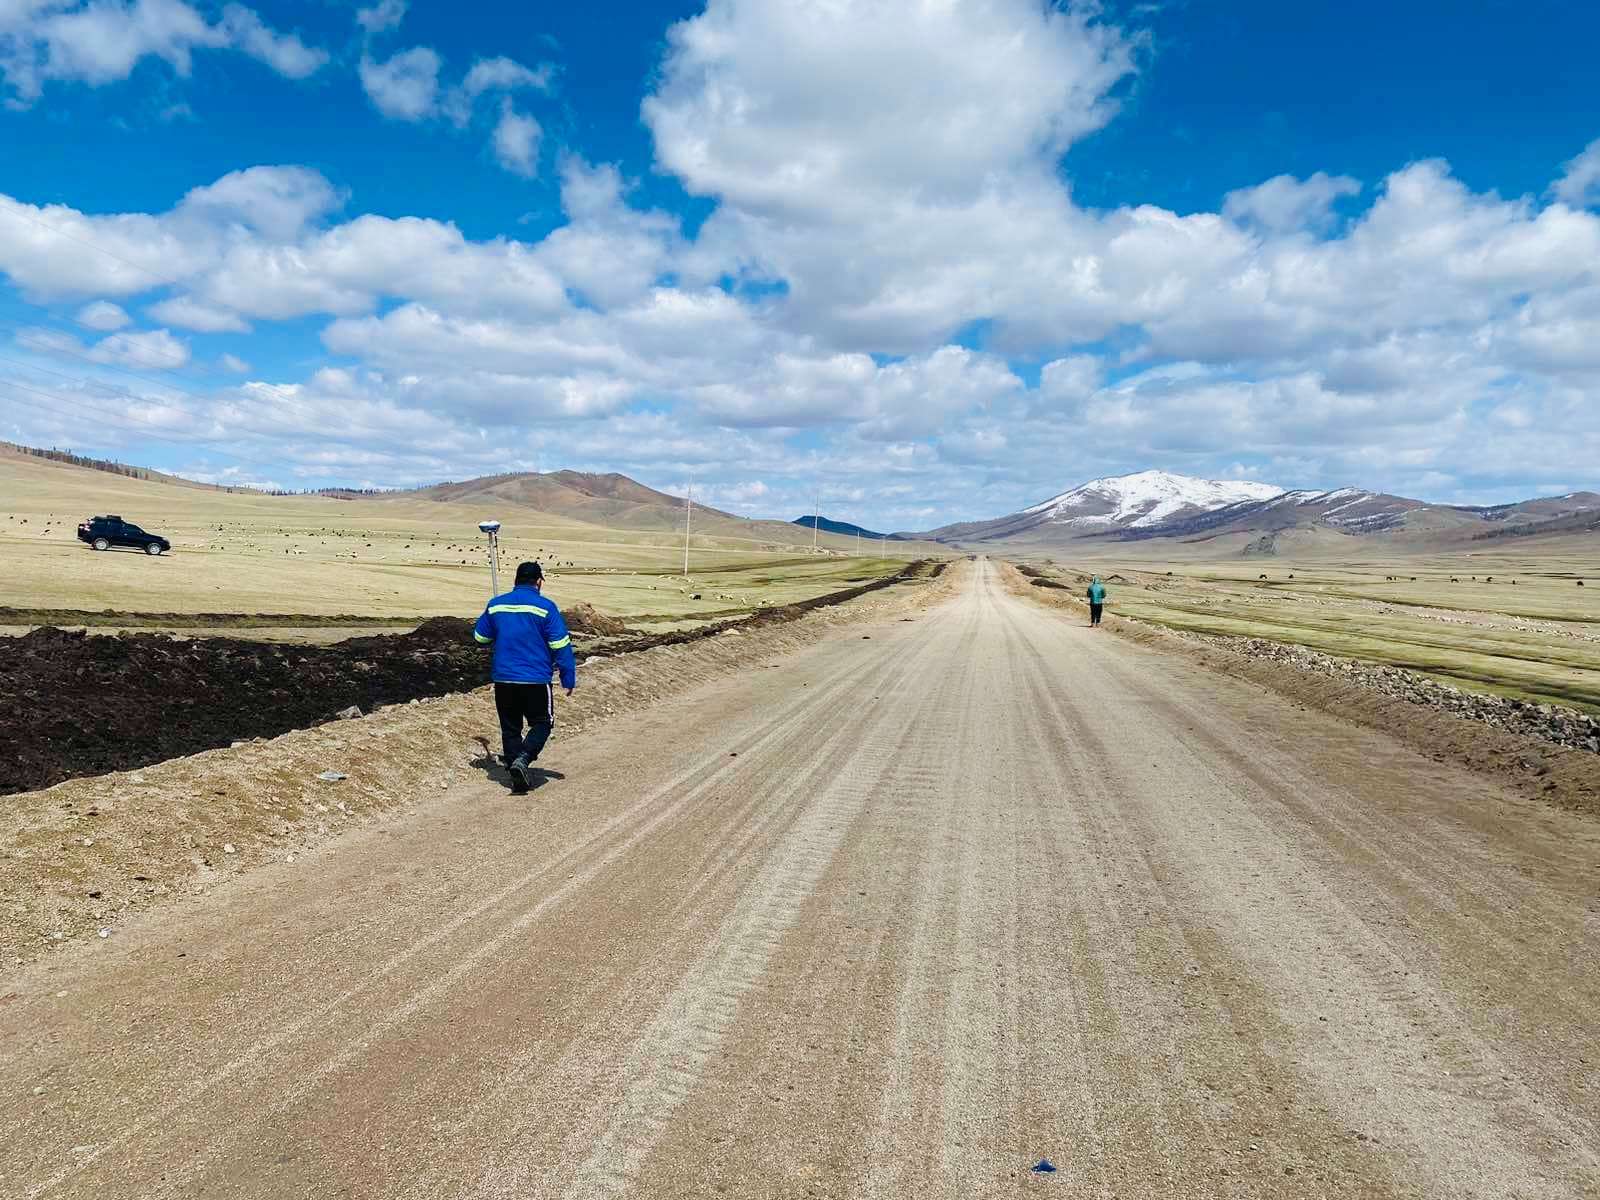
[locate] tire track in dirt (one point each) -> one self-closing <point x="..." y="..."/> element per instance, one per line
<point x="765" y="831"/>
<point x="668" y="1058"/>
<point x="621" y="834"/>
<point x="953" y="1054"/>
<point x="1405" y="874"/>
<point x="1184" y="1065"/>
<point x="1291" y="927"/>
<point x="983" y="889"/>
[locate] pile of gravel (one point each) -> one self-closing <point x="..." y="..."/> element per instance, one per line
<point x="1554" y="723"/>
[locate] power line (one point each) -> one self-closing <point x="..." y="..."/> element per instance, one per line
<point x="105" y="335"/>
<point x="14" y="209"/>
<point x="119" y="421"/>
<point x="278" y="391"/>
<point x="158" y="383"/>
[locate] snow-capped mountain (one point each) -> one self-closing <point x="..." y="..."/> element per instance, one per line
<point x="1118" y="503"/>
<point x="1145" y="498"/>
<point x="1346" y="510"/>
<point x="1239" y="517"/>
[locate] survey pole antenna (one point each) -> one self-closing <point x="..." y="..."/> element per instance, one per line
<point x="492" y="529"/>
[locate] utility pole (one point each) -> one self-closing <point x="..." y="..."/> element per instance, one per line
<point x="858" y="543"/>
<point x="816" y="517"/>
<point x="688" y="518"/>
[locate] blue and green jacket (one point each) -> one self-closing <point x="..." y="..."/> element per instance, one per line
<point x="1097" y="592"/>
<point x="529" y="636"/>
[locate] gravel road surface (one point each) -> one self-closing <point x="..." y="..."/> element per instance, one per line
<point x="895" y="915"/>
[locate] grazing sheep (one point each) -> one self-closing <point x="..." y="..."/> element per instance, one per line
<point x="1453" y="579"/>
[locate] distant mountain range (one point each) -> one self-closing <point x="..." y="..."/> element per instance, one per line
<point x="1221" y="518"/>
<point x="828" y="525"/>
<point x="1153" y="513"/>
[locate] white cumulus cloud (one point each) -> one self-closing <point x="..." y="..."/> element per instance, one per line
<point x="188" y="313"/>
<point x="516" y="141"/>
<point x="382" y="16"/>
<point x="1579" y="184"/>
<point x="155" y="348"/>
<point x="104" y="315"/>
<point x="1285" y="204"/>
<point x="285" y="53"/>
<point x="99" y="42"/>
<point x="406" y="87"/>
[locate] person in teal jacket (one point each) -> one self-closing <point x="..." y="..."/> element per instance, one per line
<point x="531" y="643"/>
<point x="1097" y="600"/>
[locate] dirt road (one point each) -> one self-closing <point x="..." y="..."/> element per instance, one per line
<point x="889" y="917"/>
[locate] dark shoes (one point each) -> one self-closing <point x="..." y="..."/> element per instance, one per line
<point x="519" y="775"/>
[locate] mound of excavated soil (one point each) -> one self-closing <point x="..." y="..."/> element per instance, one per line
<point x="74" y="704"/>
<point x="586" y="618"/>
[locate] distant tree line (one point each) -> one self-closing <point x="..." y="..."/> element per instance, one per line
<point x="78" y="460"/>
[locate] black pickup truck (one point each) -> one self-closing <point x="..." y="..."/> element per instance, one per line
<point x="105" y="532"/>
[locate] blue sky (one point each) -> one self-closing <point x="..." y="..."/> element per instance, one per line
<point x="940" y="261"/>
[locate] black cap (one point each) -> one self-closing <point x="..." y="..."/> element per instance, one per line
<point x="529" y="572"/>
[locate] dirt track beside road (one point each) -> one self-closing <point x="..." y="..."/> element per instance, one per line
<point x="896" y="916"/>
<point x="73" y="704"/>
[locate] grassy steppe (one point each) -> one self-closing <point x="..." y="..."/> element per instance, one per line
<point x="1535" y="639"/>
<point x="381" y="558"/>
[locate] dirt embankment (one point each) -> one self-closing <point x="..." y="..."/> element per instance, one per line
<point x="74" y="705"/>
<point x="80" y="855"/>
<point x="120" y="619"/>
<point x="1516" y="747"/>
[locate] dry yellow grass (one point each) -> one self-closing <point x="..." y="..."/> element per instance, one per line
<point x="375" y="558"/>
<point x="1536" y="638"/>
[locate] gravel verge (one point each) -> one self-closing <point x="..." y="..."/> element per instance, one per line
<point x="1542" y="750"/>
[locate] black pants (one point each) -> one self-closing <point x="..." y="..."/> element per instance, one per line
<point x="1094" y="613"/>
<point x="534" y="703"/>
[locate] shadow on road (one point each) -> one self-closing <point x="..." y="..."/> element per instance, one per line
<point x="489" y="763"/>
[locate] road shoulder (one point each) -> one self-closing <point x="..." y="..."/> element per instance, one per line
<point x="1532" y="767"/>
<point x="89" y="854"/>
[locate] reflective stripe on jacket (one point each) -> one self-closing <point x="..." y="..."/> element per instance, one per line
<point x="529" y="636"/>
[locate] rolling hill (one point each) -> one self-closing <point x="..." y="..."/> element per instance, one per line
<point x="611" y="500"/>
<point x="829" y="525"/>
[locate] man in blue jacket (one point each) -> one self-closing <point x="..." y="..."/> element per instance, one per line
<point x="530" y="642"/>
